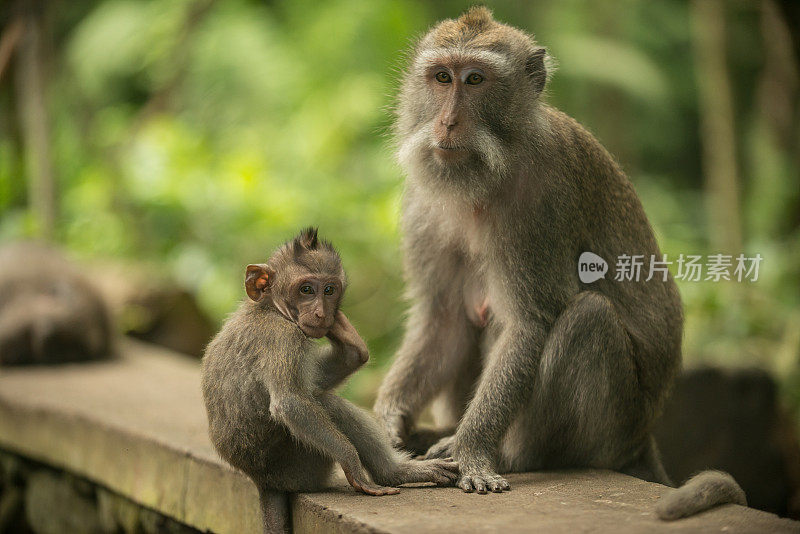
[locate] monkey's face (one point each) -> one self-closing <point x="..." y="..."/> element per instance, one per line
<point x="468" y="102"/>
<point x="458" y="90"/>
<point x="303" y="279"/>
<point x="456" y="101"/>
<point x="313" y="302"/>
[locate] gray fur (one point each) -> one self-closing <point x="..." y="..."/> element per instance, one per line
<point x="568" y="374"/>
<point x="272" y="412"/>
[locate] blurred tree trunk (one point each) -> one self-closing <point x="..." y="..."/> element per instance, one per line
<point x="774" y="149"/>
<point x="610" y="106"/>
<point x="779" y="84"/>
<point x="9" y="39"/>
<point x="716" y="126"/>
<point x="776" y="159"/>
<point x="34" y="117"/>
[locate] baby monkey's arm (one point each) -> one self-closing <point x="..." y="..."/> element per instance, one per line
<point x="346" y="353"/>
<point x="310" y="423"/>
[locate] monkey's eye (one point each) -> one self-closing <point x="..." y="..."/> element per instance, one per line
<point x="330" y="290"/>
<point x="442" y="77"/>
<point x="306" y="289"/>
<point x="474" y="79"/>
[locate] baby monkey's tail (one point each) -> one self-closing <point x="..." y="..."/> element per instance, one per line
<point x="701" y="492"/>
<point x="274" y="511"/>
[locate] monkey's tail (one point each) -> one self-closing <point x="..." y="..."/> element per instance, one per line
<point x="274" y="511"/>
<point x="701" y="492"/>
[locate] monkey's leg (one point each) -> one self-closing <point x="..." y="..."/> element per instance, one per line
<point x="647" y="465"/>
<point x="587" y="408"/>
<point x="420" y="441"/>
<point x="386" y="465"/>
<point x="578" y="404"/>
<point x="436" y="342"/>
<point x="291" y="467"/>
<point x="309" y="422"/>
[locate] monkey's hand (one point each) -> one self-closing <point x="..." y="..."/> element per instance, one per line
<point x="442" y="448"/>
<point x="345" y="333"/>
<point x="358" y="479"/>
<point x="482" y="480"/>
<point x="480" y="477"/>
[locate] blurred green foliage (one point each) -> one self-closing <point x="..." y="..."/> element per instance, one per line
<point x="197" y="136"/>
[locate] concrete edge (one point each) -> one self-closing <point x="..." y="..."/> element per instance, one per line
<point x="311" y="516"/>
<point x="199" y="493"/>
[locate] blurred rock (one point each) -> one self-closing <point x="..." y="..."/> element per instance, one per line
<point x="732" y="420"/>
<point x="152" y="308"/>
<point x="49" y="310"/>
<point x="173" y="320"/>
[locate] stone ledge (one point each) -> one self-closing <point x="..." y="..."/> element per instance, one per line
<point x="557" y="502"/>
<point x="137" y="426"/>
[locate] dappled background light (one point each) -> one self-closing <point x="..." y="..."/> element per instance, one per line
<point x="195" y="136"/>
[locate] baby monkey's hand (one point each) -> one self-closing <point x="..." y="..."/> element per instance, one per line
<point x="344" y="332"/>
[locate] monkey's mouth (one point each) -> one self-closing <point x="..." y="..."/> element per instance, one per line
<point x="313" y="330"/>
<point x="449" y="151"/>
<point x="447" y="145"/>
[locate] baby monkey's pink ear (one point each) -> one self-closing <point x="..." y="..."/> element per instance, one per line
<point x="258" y="279"/>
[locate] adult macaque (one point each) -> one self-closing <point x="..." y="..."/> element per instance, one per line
<point x="267" y="385"/>
<point x="49" y="311"/>
<point x="503" y="194"/>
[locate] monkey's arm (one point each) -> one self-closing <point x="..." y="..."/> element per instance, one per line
<point x="504" y="387"/>
<point x="308" y="421"/>
<point x="346" y="353"/>
<point x="435" y="342"/>
<point x="386" y="464"/>
<point x="335" y="365"/>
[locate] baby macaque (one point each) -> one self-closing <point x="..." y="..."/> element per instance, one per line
<point x="267" y="385"/>
<point x="49" y="312"/>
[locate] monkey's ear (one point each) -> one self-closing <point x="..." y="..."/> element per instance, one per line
<point x="536" y="69"/>
<point x="258" y="279"/>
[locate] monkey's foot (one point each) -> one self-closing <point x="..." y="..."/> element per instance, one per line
<point x="441" y="449"/>
<point x="378" y="491"/>
<point x="442" y="472"/>
<point x="359" y="483"/>
<point x="483" y="482"/>
<point x="373" y="489"/>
